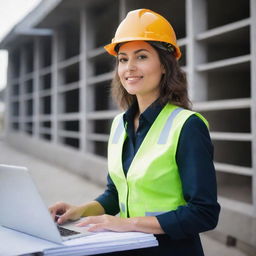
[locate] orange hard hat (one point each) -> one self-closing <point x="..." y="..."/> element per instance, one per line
<point x="144" y="25"/>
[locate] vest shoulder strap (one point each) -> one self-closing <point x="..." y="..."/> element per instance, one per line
<point x="117" y="128"/>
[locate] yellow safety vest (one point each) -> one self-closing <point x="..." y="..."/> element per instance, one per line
<point x="152" y="185"/>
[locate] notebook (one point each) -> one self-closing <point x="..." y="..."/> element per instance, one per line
<point x="22" y="208"/>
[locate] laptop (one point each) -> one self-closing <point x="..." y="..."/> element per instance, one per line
<point x="22" y="208"/>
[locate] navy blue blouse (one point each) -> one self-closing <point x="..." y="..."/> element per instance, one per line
<point x="195" y="162"/>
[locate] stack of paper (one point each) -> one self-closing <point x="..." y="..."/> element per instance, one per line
<point x="103" y="242"/>
<point x="16" y="243"/>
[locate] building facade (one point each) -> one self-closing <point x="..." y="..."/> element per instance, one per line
<point x="58" y="95"/>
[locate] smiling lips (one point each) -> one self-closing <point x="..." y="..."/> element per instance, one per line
<point x="131" y="79"/>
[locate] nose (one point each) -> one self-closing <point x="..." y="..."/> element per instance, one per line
<point x="131" y="66"/>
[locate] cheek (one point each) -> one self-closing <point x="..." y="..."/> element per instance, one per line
<point x="155" y="72"/>
<point x="120" y="72"/>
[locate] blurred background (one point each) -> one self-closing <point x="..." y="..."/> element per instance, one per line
<point x="55" y="103"/>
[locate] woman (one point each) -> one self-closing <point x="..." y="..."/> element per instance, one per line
<point x="161" y="175"/>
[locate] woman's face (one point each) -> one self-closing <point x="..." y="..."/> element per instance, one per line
<point x="140" y="69"/>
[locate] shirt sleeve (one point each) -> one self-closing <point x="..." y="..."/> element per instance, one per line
<point x="195" y="162"/>
<point x="109" y="199"/>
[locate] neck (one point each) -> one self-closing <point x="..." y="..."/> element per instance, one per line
<point x="145" y="102"/>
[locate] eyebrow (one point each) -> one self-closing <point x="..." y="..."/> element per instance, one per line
<point x="137" y="51"/>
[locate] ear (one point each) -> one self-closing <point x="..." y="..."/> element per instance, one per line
<point x="162" y="69"/>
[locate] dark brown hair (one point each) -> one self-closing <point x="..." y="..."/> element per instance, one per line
<point x="173" y="85"/>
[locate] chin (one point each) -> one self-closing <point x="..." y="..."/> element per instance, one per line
<point x="131" y="91"/>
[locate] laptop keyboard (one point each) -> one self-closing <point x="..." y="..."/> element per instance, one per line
<point x="66" y="232"/>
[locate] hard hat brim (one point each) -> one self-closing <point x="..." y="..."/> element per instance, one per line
<point x="110" y="48"/>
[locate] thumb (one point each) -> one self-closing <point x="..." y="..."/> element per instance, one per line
<point x="63" y="218"/>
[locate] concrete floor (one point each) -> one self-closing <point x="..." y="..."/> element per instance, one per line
<point x="57" y="184"/>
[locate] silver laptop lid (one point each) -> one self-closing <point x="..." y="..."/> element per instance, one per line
<point x="22" y="208"/>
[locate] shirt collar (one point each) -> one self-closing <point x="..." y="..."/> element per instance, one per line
<point x="150" y="114"/>
<point x="130" y="113"/>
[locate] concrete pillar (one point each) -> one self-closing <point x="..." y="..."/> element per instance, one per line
<point x="36" y="111"/>
<point x="82" y="81"/>
<point x="8" y="107"/>
<point x="23" y="64"/>
<point x="122" y="9"/>
<point x="253" y="97"/>
<point x="89" y="35"/>
<point x="54" y="82"/>
<point x="196" y="17"/>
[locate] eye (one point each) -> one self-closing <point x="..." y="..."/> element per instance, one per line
<point x="122" y="60"/>
<point x="142" y="57"/>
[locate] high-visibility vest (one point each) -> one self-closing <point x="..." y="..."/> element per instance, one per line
<point x="152" y="185"/>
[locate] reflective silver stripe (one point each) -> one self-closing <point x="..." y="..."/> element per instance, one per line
<point x="118" y="131"/>
<point x="122" y="206"/>
<point x="165" y="132"/>
<point x="153" y="213"/>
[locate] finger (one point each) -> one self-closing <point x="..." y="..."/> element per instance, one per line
<point x="84" y="222"/>
<point x="96" y="227"/>
<point x="58" y="209"/>
<point x="90" y="220"/>
<point x="56" y="206"/>
<point x="63" y="218"/>
<point x="57" y="216"/>
<point x="52" y="212"/>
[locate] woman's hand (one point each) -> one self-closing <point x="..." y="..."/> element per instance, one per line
<point x="106" y="222"/>
<point x="114" y="223"/>
<point x="67" y="212"/>
<point x="62" y="212"/>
